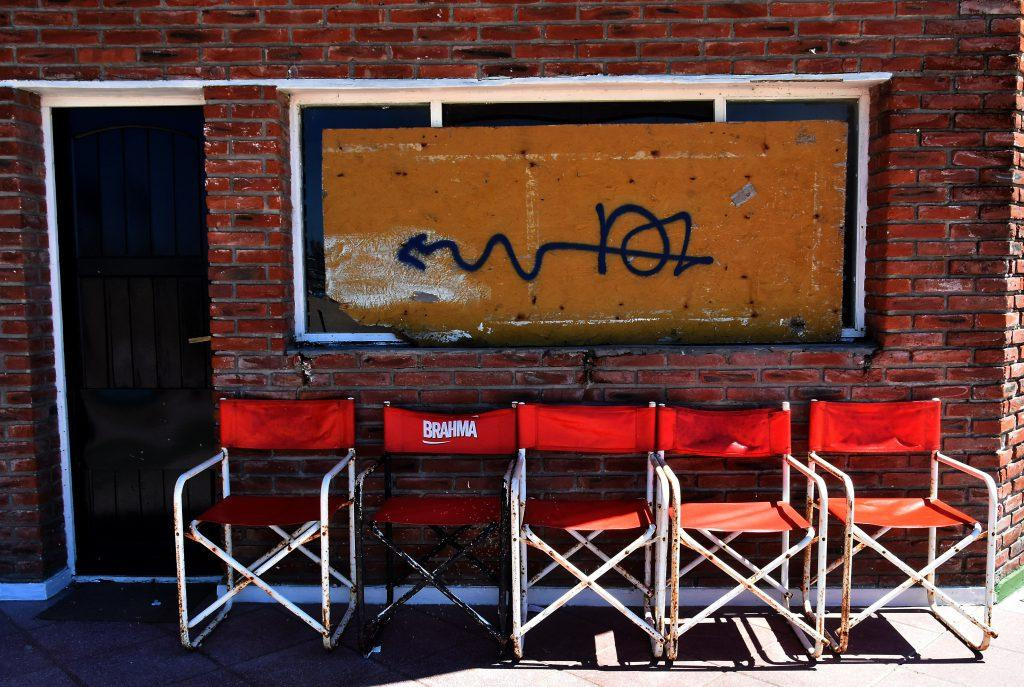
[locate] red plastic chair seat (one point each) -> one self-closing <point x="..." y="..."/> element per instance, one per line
<point x="451" y="511"/>
<point x="263" y="511"/>
<point x="901" y="512"/>
<point x="743" y="516"/>
<point x="569" y="514"/>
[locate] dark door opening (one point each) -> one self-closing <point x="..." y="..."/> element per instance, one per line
<point x="133" y="256"/>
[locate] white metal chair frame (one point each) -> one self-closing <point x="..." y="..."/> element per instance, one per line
<point x="925" y="577"/>
<point x="251" y="574"/>
<point x="653" y="586"/>
<point x="799" y="623"/>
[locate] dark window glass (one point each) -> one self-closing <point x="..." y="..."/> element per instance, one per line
<point x="532" y="114"/>
<point x="835" y="110"/>
<point x="322" y="315"/>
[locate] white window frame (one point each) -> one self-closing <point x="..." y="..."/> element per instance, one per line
<point x="436" y="93"/>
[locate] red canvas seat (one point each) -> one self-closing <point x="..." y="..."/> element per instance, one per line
<point x="746" y="516"/>
<point x="322" y="426"/>
<point x="759" y="433"/>
<point x="263" y="511"/>
<point x="578" y="514"/>
<point x="902" y="513"/>
<point x="601" y="430"/>
<point x="445" y="511"/>
<point x="861" y="430"/>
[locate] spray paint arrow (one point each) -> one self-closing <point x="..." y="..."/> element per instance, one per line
<point x="414" y="250"/>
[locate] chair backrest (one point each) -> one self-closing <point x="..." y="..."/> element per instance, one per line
<point x="725" y="433"/>
<point x="586" y="429"/>
<point x="489" y="433"/>
<point x="326" y="425"/>
<point x="885" y="427"/>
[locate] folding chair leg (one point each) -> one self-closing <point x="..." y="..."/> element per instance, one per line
<point x="922" y="577"/>
<point x="254" y="578"/>
<point x="987" y="635"/>
<point x="590" y="581"/>
<point x="184" y="623"/>
<point x="504" y="574"/>
<point x="672" y="635"/>
<point x="750" y="584"/>
<point x="372" y="630"/>
<point x="520" y="583"/>
<point x="847" y="587"/>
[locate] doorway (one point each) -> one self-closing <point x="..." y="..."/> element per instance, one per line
<point x="135" y="307"/>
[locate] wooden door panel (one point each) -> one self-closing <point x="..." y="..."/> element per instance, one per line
<point x="133" y="269"/>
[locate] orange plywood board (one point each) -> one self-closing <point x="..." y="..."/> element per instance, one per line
<point x="622" y="233"/>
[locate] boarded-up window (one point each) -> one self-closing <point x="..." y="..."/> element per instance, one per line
<point x="579" y="223"/>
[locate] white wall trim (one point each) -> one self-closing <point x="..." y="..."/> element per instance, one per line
<point x="57" y="316"/>
<point x="542" y="596"/>
<point x="656" y="81"/>
<point x="35" y="591"/>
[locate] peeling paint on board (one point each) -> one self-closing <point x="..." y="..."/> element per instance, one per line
<point x="589" y="234"/>
<point x="743" y="195"/>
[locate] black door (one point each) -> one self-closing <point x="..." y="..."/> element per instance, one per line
<point x="134" y="290"/>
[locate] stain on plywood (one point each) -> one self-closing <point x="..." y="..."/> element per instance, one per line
<point x="725" y="232"/>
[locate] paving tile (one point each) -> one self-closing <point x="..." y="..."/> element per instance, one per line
<point x="23" y="613"/>
<point x="648" y="676"/>
<point x="948" y="659"/>
<point x="307" y="664"/>
<point x="413" y="633"/>
<point x="458" y="617"/>
<point x="888" y="636"/>
<point x="906" y="677"/>
<point x="7" y="626"/>
<point x="219" y="678"/>
<point x="827" y="672"/>
<point x="737" y="680"/>
<point x="504" y="676"/>
<point x="157" y="662"/>
<point x="20" y="656"/>
<point x="258" y="632"/>
<point x="74" y="639"/>
<point x="590" y="637"/>
<point x="50" y="677"/>
<point x="263" y="644"/>
<point x="722" y="642"/>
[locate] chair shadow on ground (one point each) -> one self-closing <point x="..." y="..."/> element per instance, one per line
<point x="264" y="644"/>
<point x="742" y="640"/>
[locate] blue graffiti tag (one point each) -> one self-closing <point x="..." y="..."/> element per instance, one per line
<point x="417" y="247"/>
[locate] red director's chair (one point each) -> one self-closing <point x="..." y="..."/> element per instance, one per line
<point x="757" y="434"/>
<point x="593" y="430"/>
<point x="888" y="428"/>
<point x="451" y="517"/>
<point x="320" y="425"/>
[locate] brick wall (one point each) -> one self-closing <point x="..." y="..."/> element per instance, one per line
<point x="31" y="522"/>
<point x="942" y="271"/>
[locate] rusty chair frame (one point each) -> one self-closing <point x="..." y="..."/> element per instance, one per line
<point x="855" y="539"/>
<point x="653" y="540"/>
<point x="238" y="576"/>
<point x="456" y="538"/>
<point x="809" y="621"/>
